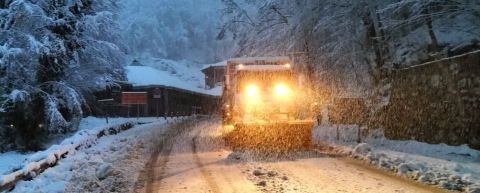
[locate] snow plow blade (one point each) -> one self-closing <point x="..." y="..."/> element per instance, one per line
<point x="291" y="135"/>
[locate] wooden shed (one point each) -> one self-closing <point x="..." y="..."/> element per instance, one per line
<point x="214" y="74"/>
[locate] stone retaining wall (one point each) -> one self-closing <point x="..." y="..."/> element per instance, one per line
<point x="436" y="102"/>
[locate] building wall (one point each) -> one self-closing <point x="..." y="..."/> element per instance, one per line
<point x="174" y="102"/>
<point x="109" y="93"/>
<point x="437" y="102"/>
<point x="214" y="75"/>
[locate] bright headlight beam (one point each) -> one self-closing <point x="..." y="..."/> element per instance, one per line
<point x="281" y="90"/>
<point x="252" y="91"/>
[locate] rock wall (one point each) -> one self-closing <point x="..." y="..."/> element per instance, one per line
<point x="436" y="102"/>
<point x="348" y="111"/>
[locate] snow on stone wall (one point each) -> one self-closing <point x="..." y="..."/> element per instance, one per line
<point x="437" y="102"/>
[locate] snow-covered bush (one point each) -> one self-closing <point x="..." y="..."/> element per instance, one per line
<point x="21" y="130"/>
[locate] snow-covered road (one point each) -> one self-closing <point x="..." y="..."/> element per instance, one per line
<point x="189" y="155"/>
<point x="193" y="158"/>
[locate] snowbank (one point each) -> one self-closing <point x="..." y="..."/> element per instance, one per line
<point x="109" y="166"/>
<point x="449" y="167"/>
<point x="11" y="161"/>
<point x="87" y="136"/>
<point x="93" y="122"/>
<point x="51" y="155"/>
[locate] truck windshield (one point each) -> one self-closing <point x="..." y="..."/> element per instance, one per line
<point x="264" y="80"/>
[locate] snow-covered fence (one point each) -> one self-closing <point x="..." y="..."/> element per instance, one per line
<point x="41" y="161"/>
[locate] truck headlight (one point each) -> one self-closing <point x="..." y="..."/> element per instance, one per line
<point x="281" y="90"/>
<point x="252" y="91"/>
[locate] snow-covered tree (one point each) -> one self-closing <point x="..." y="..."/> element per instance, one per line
<point x="351" y="45"/>
<point x="175" y="30"/>
<point x="51" y="53"/>
<point x="430" y="29"/>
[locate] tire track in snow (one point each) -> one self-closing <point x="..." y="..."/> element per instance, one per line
<point x="154" y="169"/>
<point x="208" y="178"/>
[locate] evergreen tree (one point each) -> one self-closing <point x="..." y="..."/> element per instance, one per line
<point x="51" y="52"/>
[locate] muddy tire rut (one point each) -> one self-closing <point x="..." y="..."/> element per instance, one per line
<point x="182" y="138"/>
<point x="208" y="178"/>
<point x="151" y="175"/>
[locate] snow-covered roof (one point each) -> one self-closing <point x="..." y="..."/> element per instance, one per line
<point x="248" y="59"/>
<point x="264" y="67"/>
<point x="222" y="63"/>
<point x="266" y="59"/>
<point x="146" y="76"/>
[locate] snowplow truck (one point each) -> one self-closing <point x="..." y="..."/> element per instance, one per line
<point x="259" y="109"/>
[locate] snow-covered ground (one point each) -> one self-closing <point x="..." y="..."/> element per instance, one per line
<point x="9" y="159"/>
<point x="115" y="163"/>
<point x="86" y="136"/>
<point x="111" y="165"/>
<point x="12" y="160"/>
<point x="194" y="159"/>
<point x="449" y="167"/>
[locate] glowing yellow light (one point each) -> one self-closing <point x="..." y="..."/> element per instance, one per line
<point x="240" y="66"/>
<point x="252" y="91"/>
<point x="315" y="103"/>
<point x="287" y="65"/>
<point x="228" y="114"/>
<point x="281" y="90"/>
<point x="228" y="106"/>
